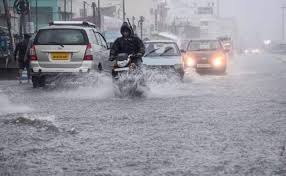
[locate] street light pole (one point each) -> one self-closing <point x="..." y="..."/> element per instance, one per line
<point x="218" y="8"/>
<point x="124" y="12"/>
<point x="65" y="10"/>
<point x="283" y="23"/>
<point x="84" y="9"/>
<point x="99" y="14"/>
<point x="36" y="15"/>
<point x="71" y="9"/>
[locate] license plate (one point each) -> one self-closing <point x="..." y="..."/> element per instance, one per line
<point x="60" y="56"/>
<point x="204" y="66"/>
<point x="121" y="69"/>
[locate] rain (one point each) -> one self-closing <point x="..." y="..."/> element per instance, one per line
<point x="142" y="88"/>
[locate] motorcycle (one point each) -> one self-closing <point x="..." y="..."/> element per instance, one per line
<point x="128" y="78"/>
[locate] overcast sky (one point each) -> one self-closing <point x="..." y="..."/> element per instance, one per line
<point x="257" y="19"/>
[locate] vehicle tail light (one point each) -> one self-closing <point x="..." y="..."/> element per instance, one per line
<point x="88" y="53"/>
<point x="33" y="53"/>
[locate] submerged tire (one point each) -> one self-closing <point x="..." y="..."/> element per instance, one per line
<point x="35" y="81"/>
<point x="42" y="81"/>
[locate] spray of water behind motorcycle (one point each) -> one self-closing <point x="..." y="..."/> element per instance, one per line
<point x="128" y="78"/>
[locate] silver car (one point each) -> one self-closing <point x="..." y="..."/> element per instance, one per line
<point x="66" y="48"/>
<point x="163" y="54"/>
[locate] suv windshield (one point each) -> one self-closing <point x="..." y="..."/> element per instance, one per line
<point x="61" y="37"/>
<point x="204" y="45"/>
<point x="161" y="49"/>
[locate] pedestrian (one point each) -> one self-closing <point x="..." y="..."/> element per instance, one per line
<point x="21" y="56"/>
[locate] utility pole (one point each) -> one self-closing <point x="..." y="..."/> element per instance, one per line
<point x="84" y="9"/>
<point x="65" y="10"/>
<point x="124" y="10"/>
<point x="133" y="23"/>
<point x="36" y="15"/>
<point x="99" y="15"/>
<point x="71" y="10"/>
<point x="93" y="5"/>
<point x="141" y="25"/>
<point x="283" y="23"/>
<point x="218" y="8"/>
<point x="156" y="20"/>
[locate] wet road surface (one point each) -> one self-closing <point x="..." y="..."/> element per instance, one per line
<point x="233" y="124"/>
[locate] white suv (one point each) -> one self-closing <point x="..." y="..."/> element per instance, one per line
<point x="66" y="47"/>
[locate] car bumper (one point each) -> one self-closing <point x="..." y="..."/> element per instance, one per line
<point x="37" y="69"/>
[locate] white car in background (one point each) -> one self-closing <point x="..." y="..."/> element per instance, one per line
<point x="163" y="55"/>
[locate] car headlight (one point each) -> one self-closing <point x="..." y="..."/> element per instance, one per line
<point x="218" y="61"/>
<point x="190" y="62"/>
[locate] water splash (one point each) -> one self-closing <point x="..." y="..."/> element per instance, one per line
<point x="7" y="107"/>
<point x="91" y="86"/>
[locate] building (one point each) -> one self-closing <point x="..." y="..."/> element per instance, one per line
<point x="203" y="15"/>
<point x="14" y="17"/>
<point x="41" y="13"/>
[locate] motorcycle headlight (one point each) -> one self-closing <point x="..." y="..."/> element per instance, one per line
<point x="122" y="63"/>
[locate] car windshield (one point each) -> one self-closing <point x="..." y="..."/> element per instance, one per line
<point x="154" y="49"/>
<point x="61" y="37"/>
<point x="203" y="45"/>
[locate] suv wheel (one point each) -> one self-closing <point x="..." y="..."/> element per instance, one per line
<point x="35" y="80"/>
<point x="42" y="81"/>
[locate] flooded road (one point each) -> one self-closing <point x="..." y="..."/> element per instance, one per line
<point x="209" y="125"/>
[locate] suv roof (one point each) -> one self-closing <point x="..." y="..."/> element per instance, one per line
<point x="72" y="23"/>
<point x="67" y="27"/>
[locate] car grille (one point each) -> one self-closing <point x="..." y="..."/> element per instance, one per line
<point x="203" y="61"/>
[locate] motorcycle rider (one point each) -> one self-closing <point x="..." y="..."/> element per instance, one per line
<point x="129" y="44"/>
